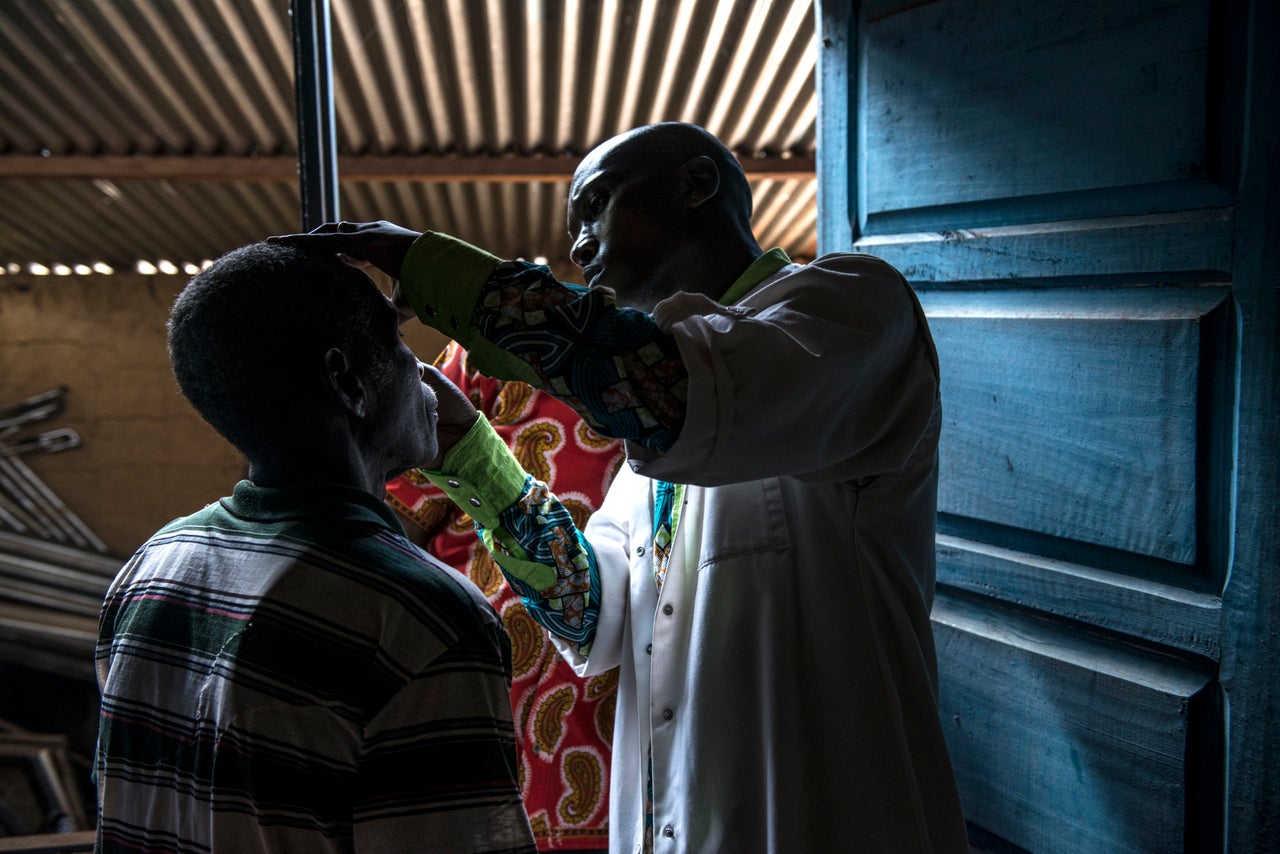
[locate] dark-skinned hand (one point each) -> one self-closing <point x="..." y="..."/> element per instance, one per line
<point x="382" y="244"/>
<point x="454" y="415"/>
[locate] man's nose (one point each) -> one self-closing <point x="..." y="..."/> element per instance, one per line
<point x="584" y="249"/>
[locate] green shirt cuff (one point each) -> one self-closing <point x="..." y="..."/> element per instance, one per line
<point x="480" y="474"/>
<point x="442" y="278"/>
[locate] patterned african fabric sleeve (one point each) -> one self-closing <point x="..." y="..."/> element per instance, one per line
<point x="622" y="374"/>
<point x="530" y="534"/>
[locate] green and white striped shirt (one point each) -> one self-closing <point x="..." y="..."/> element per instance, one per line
<point x="284" y="671"/>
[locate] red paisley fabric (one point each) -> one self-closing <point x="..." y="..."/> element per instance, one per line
<point x="564" y="724"/>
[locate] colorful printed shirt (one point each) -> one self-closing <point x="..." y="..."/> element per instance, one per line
<point x="564" y="724"/>
<point x="284" y="671"/>
<point x="615" y="366"/>
<point x="618" y="370"/>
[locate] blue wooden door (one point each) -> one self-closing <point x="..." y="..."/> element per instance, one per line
<point x="1084" y="195"/>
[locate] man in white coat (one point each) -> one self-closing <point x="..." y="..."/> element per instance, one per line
<point x="763" y="570"/>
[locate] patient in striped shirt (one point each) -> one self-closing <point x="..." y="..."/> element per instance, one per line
<point x="282" y="670"/>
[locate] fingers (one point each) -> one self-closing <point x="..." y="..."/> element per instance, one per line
<point x="401" y="303"/>
<point x="450" y="396"/>
<point x="358" y="263"/>
<point x="343" y="227"/>
<point x="431" y="375"/>
<point x="382" y="244"/>
<point x="310" y="239"/>
<point x="327" y="230"/>
<point x="455" y="414"/>
<point x="318" y="242"/>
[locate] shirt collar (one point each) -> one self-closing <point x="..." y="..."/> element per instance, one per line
<point x="761" y="268"/>
<point x="324" y="502"/>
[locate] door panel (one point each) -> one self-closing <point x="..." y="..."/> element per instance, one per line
<point x="1063" y="716"/>
<point x="1165" y="614"/>
<point x="1005" y="101"/>
<point x="1192" y="246"/>
<point x="1052" y="401"/>
<point x="1061" y="183"/>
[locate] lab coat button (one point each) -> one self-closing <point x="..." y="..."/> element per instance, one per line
<point x="668" y="831"/>
<point x="667" y="609"/>
<point x="648" y="649"/>
<point x="639" y="550"/>
<point x="667" y="714"/>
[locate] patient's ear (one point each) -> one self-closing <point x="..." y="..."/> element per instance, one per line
<point x="346" y="383"/>
<point x="699" y="180"/>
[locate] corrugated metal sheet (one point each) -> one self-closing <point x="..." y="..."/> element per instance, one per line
<point x="212" y="78"/>
<point x="553" y="76"/>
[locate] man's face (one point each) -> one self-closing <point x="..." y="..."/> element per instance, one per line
<point x="402" y="408"/>
<point x="623" y="218"/>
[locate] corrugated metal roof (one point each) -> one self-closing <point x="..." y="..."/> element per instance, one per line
<point x="84" y="80"/>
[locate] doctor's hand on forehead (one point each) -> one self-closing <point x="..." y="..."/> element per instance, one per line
<point x="382" y="244"/>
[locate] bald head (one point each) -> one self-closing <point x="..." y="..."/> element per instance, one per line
<point x="665" y="147"/>
<point x="660" y="209"/>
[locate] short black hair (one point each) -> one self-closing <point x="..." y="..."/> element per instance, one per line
<point x="248" y="335"/>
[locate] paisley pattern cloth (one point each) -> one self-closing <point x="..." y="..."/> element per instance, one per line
<point x="564" y="724"/>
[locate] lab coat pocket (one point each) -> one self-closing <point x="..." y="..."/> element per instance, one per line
<point x="742" y="519"/>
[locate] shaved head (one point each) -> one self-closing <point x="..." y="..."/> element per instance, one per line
<point x="665" y="147"/>
<point x="660" y="209"/>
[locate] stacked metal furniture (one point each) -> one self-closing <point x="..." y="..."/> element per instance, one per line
<point x="54" y="573"/>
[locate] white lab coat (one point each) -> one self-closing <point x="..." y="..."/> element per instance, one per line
<point x="785" y="675"/>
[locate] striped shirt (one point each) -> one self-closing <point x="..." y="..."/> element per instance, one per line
<point x="284" y="671"/>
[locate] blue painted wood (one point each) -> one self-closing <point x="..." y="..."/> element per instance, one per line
<point x="1165" y="197"/>
<point x="1074" y="413"/>
<point x="1060" y="147"/>
<point x="1163" y="613"/>
<point x="836" y="86"/>
<point x="1196" y="242"/>
<point x="1067" y="743"/>
<point x="1251" y="600"/>
<point x="997" y="99"/>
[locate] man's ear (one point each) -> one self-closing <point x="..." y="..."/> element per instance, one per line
<point x="347" y="385"/>
<point x="699" y="180"/>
